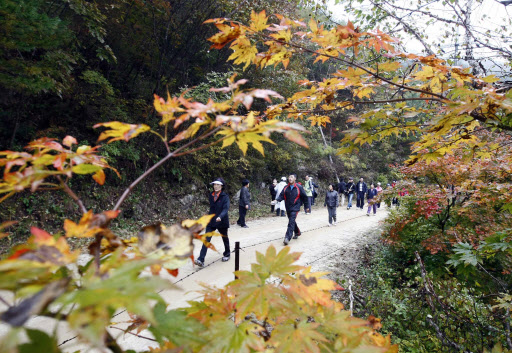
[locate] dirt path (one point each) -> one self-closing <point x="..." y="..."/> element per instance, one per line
<point x="321" y="246"/>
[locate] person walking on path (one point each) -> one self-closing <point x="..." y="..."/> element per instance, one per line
<point x="371" y="195"/>
<point x="350" y="192"/>
<point x="219" y="206"/>
<point x="313" y="190"/>
<point x="244" y="204"/>
<point x="280" y="206"/>
<point x="272" y="189"/>
<point x="361" y="189"/>
<point x="394" y="201"/>
<point x="379" y="190"/>
<point x="308" y="187"/>
<point x="292" y="194"/>
<point x="332" y="202"/>
<point x="342" y="188"/>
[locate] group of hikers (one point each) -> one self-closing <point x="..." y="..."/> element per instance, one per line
<point x="288" y="196"/>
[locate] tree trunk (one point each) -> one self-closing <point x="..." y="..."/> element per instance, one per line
<point x="330" y="157"/>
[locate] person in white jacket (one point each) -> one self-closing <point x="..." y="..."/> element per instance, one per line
<point x="280" y="208"/>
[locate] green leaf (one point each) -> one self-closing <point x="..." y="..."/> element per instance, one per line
<point x="39" y="342"/>
<point x="227" y="337"/>
<point x="177" y="327"/>
<point x="85" y="169"/>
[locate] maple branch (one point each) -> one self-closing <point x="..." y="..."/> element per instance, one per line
<point x="356" y="65"/>
<point x="164" y="139"/>
<point x="72" y="194"/>
<point x="175" y="153"/>
<point x="478" y="116"/>
<point x="470" y="32"/>
<point x="201" y="147"/>
<point x="134" y="334"/>
<point x="407" y="27"/>
<point x="399" y="100"/>
<point x="353" y="102"/>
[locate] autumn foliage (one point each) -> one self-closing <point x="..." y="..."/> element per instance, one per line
<point x="277" y="306"/>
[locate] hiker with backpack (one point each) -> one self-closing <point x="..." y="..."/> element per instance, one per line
<point x="293" y="195"/>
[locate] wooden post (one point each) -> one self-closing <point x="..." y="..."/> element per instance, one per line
<point x="237" y="257"/>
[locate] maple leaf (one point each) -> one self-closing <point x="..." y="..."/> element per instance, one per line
<point x="301" y="337"/>
<point x="227" y="34"/>
<point x="45" y="248"/>
<point x="226" y="336"/>
<point x="84" y="228"/>
<point x="275" y="264"/>
<point x="253" y="295"/>
<point x="243" y="52"/>
<point x="255" y="139"/>
<point x="172" y="245"/>
<point x="121" y="131"/>
<point x="258" y="21"/>
<point x="319" y="120"/>
<point x="167" y="108"/>
<point x="294" y="136"/>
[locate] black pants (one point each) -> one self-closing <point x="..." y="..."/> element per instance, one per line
<point x="225" y="239"/>
<point x="272" y="207"/>
<point x="308" y="205"/>
<point x="332" y="213"/>
<point x="292" y="225"/>
<point x="242" y="211"/>
<point x="360" y="199"/>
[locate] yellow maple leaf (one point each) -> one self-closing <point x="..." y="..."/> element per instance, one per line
<point x="364" y="92"/>
<point x="319" y="120"/>
<point x="258" y="21"/>
<point x="121" y="131"/>
<point x="243" y="52"/>
<point x="283" y="35"/>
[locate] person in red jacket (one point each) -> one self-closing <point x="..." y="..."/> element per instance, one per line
<point x="293" y="195"/>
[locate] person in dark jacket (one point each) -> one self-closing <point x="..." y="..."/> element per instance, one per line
<point x="332" y="202"/>
<point x="313" y="190"/>
<point x="361" y="189"/>
<point x="293" y="195"/>
<point x="219" y="206"/>
<point x="341" y="188"/>
<point x="244" y="203"/>
<point x="273" y="194"/>
<point x="350" y="189"/>
<point x="371" y="196"/>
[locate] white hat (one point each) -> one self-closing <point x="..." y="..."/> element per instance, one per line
<point x="283" y="178"/>
<point x="217" y="181"/>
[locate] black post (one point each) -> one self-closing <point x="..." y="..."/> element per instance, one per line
<point x="237" y="257"/>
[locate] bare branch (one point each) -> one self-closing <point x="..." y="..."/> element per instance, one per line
<point x="72" y="194"/>
<point x="162" y="161"/>
<point x="407" y="27"/>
